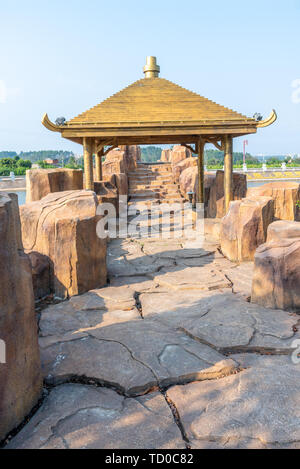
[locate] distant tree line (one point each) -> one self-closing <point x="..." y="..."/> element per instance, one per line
<point x="150" y="154"/>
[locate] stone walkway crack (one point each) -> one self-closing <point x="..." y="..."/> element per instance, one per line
<point x="177" y="418"/>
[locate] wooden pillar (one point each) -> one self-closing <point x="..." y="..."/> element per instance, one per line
<point x="200" y="148"/>
<point x="228" y="172"/>
<point x="88" y="163"/>
<point x="98" y="161"/>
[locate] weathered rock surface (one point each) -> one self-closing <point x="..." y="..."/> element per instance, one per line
<point x="83" y="417"/>
<point x="283" y="229"/>
<point x="222" y="320"/>
<point x="20" y="376"/>
<point x="62" y="226"/>
<point x="244" y="227"/>
<point x="285" y="195"/>
<point x="178" y="168"/>
<point x="133" y="356"/>
<point x="165" y="156"/>
<point x="121" y="160"/>
<point x="178" y="154"/>
<point x="151" y="329"/>
<point x="276" y="278"/>
<point x="40" y="267"/>
<point x="256" y="408"/>
<point x="40" y="182"/>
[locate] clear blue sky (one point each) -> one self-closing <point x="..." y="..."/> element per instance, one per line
<point x="62" y="57"/>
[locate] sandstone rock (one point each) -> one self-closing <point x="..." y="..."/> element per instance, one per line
<point x="40" y="266"/>
<point x="20" y="376"/>
<point x="114" y="162"/>
<point x="285" y="195"/>
<point x="282" y="229"/>
<point x="179" y="153"/>
<point x="40" y="182"/>
<point x="252" y="409"/>
<point x="182" y="165"/>
<point x="107" y="193"/>
<point x="85" y="417"/>
<point x="122" y="160"/>
<point x="244" y="228"/>
<point x="276" y="279"/>
<point x="121" y="183"/>
<point x="165" y="156"/>
<point x="62" y="226"/>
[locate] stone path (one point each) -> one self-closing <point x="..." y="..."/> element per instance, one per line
<point x="169" y="355"/>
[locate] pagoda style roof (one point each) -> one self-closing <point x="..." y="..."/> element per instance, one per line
<point x="151" y="101"/>
<point x="154" y="109"/>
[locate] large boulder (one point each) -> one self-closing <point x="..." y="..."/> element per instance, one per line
<point x="179" y="153"/>
<point x="244" y="228"/>
<point x="20" y="376"/>
<point x="283" y="229"/>
<point x="107" y="193"/>
<point x="40" y="268"/>
<point x="286" y="194"/>
<point x="40" y="182"/>
<point x="178" y="168"/>
<point x="122" y="160"/>
<point x="62" y="226"/>
<point x="165" y="156"/>
<point x="276" y="278"/>
<point x="114" y="163"/>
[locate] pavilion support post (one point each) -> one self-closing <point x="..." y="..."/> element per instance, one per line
<point x="200" y="148"/>
<point x="98" y="161"/>
<point x="88" y="163"/>
<point x="228" y="172"/>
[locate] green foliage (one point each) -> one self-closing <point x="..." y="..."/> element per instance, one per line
<point x="150" y="154"/>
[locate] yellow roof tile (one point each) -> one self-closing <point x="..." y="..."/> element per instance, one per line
<point x="152" y="100"/>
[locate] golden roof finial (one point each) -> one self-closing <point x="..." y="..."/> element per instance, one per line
<point x="151" y="69"/>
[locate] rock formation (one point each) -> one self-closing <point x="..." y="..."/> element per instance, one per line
<point x="121" y="160"/>
<point x="276" y="277"/>
<point x="40" y="266"/>
<point x="20" y="376"/>
<point x="178" y="168"/>
<point x="244" y="228"/>
<point x="62" y="226"/>
<point x="285" y="195"/>
<point x="40" y="182"/>
<point x="178" y="154"/>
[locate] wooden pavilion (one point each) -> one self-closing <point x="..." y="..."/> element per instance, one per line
<point x="156" y="111"/>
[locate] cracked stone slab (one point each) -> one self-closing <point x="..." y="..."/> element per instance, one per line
<point x="133" y="357"/>
<point x="256" y="408"/>
<point x="139" y="283"/>
<point x="241" y="278"/>
<point x="223" y="320"/>
<point x="206" y="277"/>
<point x="136" y="266"/>
<point x="76" y="416"/>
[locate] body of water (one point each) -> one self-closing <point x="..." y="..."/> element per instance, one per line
<point x="261" y="183"/>
<point x="22" y="194"/>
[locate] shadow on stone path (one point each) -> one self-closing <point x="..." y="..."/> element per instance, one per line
<point x="171" y="354"/>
